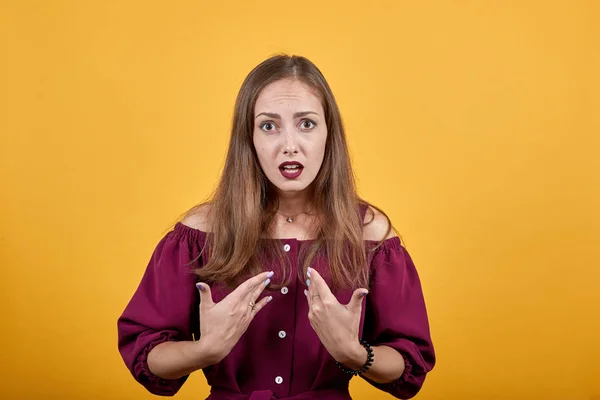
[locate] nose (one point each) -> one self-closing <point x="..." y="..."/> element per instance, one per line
<point x="290" y="146"/>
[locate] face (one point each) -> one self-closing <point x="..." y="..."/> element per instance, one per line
<point x="289" y="134"/>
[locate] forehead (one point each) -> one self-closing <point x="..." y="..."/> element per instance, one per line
<point x="288" y="92"/>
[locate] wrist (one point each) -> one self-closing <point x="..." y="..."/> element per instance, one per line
<point x="351" y="369"/>
<point x="207" y="352"/>
<point x="355" y="356"/>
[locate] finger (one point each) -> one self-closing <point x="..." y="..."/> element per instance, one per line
<point x="318" y="284"/>
<point x="206" y="300"/>
<point x="314" y="297"/>
<point x="308" y="292"/>
<point x="256" y="291"/>
<point x="355" y="303"/>
<point x="308" y="299"/>
<point x="316" y="301"/>
<point x="249" y="285"/>
<point x="259" y="306"/>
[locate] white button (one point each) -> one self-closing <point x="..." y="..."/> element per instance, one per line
<point x="284" y="290"/>
<point x="282" y="334"/>
<point x="286" y="247"/>
<point x="278" y="380"/>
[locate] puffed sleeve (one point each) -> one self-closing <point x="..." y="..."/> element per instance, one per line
<point x="395" y="316"/>
<point x="163" y="307"/>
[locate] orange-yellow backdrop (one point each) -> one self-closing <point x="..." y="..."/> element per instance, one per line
<point x="474" y="124"/>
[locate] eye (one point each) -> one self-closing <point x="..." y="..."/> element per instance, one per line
<point x="267" y="126"/>
<point x="306" y="124"/>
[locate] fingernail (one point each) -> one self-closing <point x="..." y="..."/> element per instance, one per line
<point x="270" y="274"/>
<point x="199" y="286"/>
<point x="308" y="271"/>
<point x="308" y="282"/>
<point x="267" y="282"/>
<point x="269" y="298"/>
<point x="363" y="294"/>
<point x="306" y="292"/>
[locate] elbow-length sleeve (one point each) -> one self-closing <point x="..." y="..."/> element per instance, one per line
<point x="396" y="316"/>
<point x="163" y="307"/>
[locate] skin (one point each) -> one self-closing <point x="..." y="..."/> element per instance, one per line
<point x="285" y="137"/>
<point x="298" y="133"/>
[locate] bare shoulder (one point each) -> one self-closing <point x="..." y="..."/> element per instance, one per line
<point x="377" y="225"/>
<point x="198" y="217"/>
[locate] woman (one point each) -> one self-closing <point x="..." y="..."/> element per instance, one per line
<point x="286" y="284"/>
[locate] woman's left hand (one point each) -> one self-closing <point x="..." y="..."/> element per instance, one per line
<point x="336" y="324"/>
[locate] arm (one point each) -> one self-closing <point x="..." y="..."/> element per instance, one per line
<point x="396" y="319"/>
<point x="388" y="364"/>
<point x="223" y="325"/>
<point x="163" y="309"/>
<point x="174" y="360"/>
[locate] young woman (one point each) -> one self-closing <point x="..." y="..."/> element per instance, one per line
<point x="285" y="284"/>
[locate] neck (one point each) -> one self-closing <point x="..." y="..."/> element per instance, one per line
<point x="294" y="204"/>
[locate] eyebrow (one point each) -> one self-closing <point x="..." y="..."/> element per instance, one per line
<point x="277" y="116"/>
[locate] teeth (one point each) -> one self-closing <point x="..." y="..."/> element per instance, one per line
<point x="291" y="167"/>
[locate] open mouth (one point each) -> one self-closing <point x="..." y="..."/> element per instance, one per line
<point x="291" y="169"/>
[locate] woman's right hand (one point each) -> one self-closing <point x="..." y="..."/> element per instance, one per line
<point x="223" y="323"/>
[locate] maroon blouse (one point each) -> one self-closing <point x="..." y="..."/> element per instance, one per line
<point x="280" y="355"/>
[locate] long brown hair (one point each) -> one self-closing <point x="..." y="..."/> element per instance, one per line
<point x="244" y="205"/>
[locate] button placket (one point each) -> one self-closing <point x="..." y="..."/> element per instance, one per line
<point x="290" y="301"/>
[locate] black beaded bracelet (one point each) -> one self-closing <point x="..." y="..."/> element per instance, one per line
<point x="365" y="367"/>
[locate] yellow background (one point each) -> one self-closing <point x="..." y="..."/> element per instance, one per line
<point x="474" y="124"/>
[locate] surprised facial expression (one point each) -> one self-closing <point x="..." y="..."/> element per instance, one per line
<point x="289" y="134"/>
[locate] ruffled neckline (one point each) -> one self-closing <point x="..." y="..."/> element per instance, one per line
<point x="392" y="243"/>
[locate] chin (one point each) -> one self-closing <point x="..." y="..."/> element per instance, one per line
<point x="292" y="187"/>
